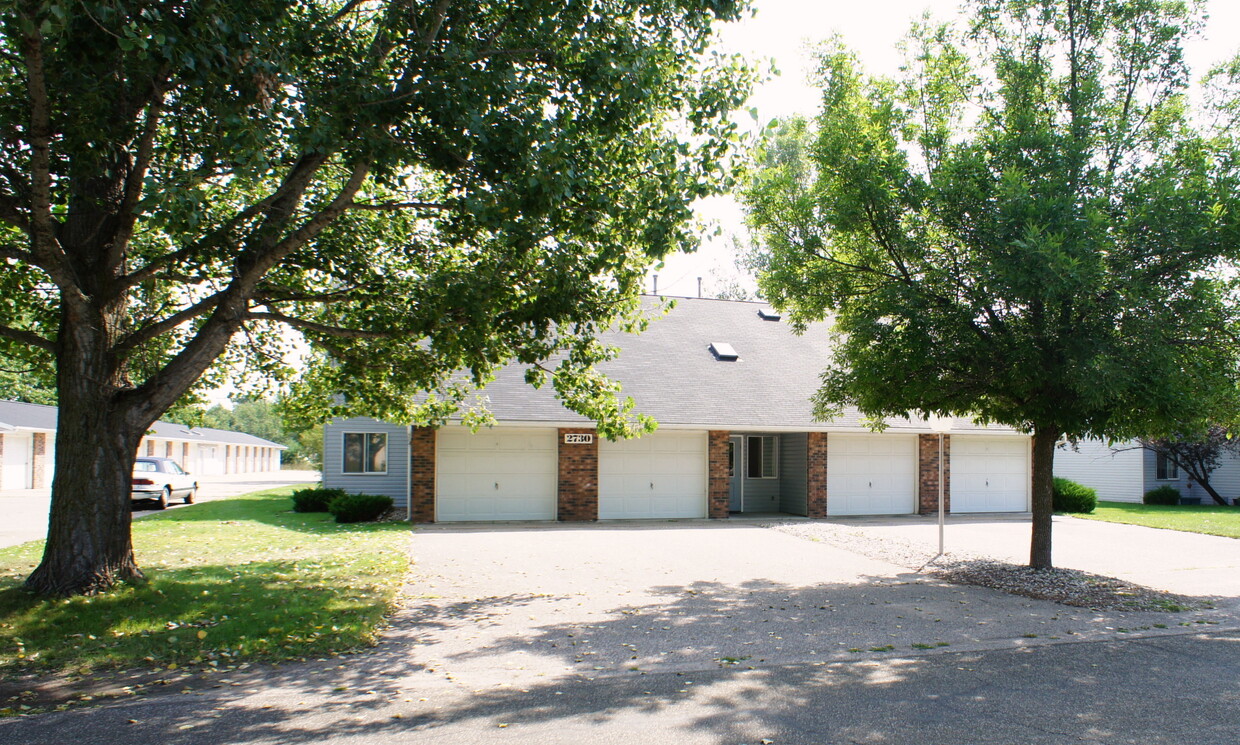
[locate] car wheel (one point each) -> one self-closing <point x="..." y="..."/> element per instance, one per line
<point x="189" y="495"/>
<point x="164" y="497"/>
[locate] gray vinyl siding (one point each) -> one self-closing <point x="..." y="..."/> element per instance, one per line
<point x="793" y="485"/>
<point x="1115" y="473"/>
<point x="760" y="495"/>
<point x="1226" y="478"/>
<point x="394" y="483"/>
<point x="1150" y="461"/>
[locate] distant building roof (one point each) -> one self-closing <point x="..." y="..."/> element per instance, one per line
<point x="18" y="415"/>
<point x="672" y="373"/>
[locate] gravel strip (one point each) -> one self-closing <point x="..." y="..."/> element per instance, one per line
<point x="1064" y="586"/>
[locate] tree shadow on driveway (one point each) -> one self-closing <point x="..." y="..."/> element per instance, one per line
<point x="714" y="662"/>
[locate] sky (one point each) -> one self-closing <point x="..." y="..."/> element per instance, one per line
<point x="782" y="32"/>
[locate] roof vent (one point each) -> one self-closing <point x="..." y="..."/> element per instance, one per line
<point x="723" y="351"/>
<point x="768" y="314"/>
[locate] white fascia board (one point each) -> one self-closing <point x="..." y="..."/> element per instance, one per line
<point x="923" y="430"/>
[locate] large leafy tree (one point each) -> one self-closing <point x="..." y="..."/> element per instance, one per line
<point x="1027" y="227"/>
<point x="413" y="188"/>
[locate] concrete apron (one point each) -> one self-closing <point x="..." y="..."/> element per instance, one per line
<point x="502" y="606"/>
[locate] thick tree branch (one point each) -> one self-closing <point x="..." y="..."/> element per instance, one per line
<point x="134" y="181"/>
<point x="45" y="248"/>
<point x="28" y="338"/>
<point x="337" y="331"/>
<point x="393" y="206"/>
<point x="150" y="331"/>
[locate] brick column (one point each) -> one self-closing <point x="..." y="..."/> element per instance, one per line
<point x="39" y="478"/>
<point x="422" y="474"/>
<point x="816" y="474"/>
<point x="719" y="487"/>
<point x="578" y="477"/>
<point x="928" y="474"/>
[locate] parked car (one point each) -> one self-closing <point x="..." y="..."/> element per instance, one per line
<point x="161" y="479"/>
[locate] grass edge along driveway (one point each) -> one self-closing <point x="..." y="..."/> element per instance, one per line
<point x="230" y="581"/>
<point x="1208" y="519"/>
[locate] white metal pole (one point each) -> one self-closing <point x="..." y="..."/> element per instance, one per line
<point x="941" y="512"/>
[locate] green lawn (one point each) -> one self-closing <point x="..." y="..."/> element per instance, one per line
<point x="230" y="580"/>
<point x="1208" y="519"/>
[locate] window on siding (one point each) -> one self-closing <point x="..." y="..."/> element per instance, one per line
<point x="761" y="457"/>
<point x="1167" y="469"/>
<point x="365" y="452"/>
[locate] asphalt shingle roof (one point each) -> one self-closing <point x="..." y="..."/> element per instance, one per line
<point x="15" y="414"/>
<point x="672" y="375"/>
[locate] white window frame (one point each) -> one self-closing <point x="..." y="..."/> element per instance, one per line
<point x="1169" y="468"/>
<point x="366" y="454"/>
<point x="773" y="441"/>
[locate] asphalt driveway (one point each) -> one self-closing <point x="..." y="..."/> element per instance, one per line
<point x="496" y="606"/>
<point x="705" y="632"/>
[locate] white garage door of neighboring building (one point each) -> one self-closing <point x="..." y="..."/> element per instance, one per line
<point x="15" y="473"/>
<point x="662" y="475"/>
<point x="871" y="474"/>
<point x="496" y="474"/>
<point x="989" y="474"/>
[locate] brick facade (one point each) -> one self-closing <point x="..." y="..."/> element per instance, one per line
<point x="928" y="473"/>
<point x="719" y="483"/>
<point x="40" y="468"/>
<point x="422" y="474"/>
<point x="578" y="477"/>
<point x="816" y="474"/>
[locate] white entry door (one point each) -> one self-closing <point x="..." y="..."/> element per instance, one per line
<point x="989" y="474"/>
<point x="16" y="470"/>
<point x="496" y="474"/>
<point x="662" y="475"/>
<point x="871" y="474"/>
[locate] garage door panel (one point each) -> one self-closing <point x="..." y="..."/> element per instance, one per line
<point x="662" y="475"/>
<point x="989" y="474"/>
<point x="871" y="474"/>
<point x="496" y="475"/>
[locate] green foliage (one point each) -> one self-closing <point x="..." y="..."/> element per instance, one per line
<point x="458" y="185"/>
<point x="16" y="385"/>
<point x="1073" y="497"/>
<point x="315" y="499"/>
<point x="359" y="508"/>
<point x="1162" y="495"/>
<point x="1027" y="228"/>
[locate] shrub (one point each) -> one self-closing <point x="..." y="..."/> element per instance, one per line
<point x="1162" y="495"/>
<point x="315" y="499"/>
<point x="358" y="508"/>
<point x="1073" y="497"/>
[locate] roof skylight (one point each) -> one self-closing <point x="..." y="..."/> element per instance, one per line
<point x="723" y="351"/>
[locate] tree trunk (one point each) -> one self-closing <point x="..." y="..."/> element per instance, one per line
<point x="88" y="547"/>
<point x="88" y="542"/>
<point x="1218" y="498"/>
<point x="1043" y="496"/>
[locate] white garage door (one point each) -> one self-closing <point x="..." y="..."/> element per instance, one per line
<point x="871" y="474"/>
<point x="496" y="474"/>
<point x="15" y="470"/>
<point x="661" y="475"/>
<point x="989" y="474"/>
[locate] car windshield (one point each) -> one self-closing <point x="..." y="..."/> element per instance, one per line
<point x="145" y="466"/>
